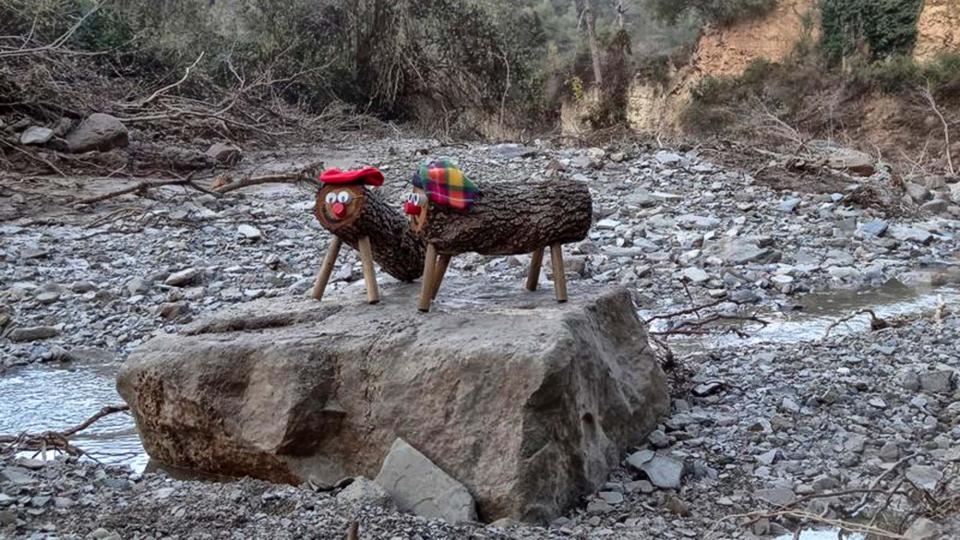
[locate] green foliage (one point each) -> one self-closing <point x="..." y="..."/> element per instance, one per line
<point x="902" y="73"/>
<point x="872" y="28"/>
<point x="722" y="12"/>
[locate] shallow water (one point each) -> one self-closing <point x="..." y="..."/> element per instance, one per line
<point x="40" y="398"/>
<point x="816" y="313"/>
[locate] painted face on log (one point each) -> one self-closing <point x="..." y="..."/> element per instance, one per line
<point x="339" y="205"/>
<point x="416" y="207"/>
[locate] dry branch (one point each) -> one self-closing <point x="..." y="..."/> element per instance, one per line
<point x="56" y="440"/>
<point x="57" y="43"/>
<point x="141" y="187"/>
<point x="928" y="96"/>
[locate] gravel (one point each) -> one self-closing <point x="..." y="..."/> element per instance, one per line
<point x="753" y="425"/>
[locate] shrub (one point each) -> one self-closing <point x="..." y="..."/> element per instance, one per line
<point x="722" y="12"/>
<point x="873" y="28"/>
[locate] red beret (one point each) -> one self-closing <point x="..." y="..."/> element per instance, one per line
<point x="370" y="176"/>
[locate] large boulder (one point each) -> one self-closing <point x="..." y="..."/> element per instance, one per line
<point x="98" y="132"/>
<point x="526" y="402"/>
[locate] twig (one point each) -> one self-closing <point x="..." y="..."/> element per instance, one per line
<point x="928" y="95"/>
<point x="58" y="440"/>
<point x="35" y="158"/>
<point x="169" y="87"/>
<point x="57" y="43"/>
<point x="876" y="482"/>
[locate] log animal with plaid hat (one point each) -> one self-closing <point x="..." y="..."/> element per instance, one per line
<point x="453" y="216"/>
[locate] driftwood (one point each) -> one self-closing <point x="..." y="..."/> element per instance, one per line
<point x="505" y="219"/>
<point x="375" y="229"/>
<point x="55" y="440"/>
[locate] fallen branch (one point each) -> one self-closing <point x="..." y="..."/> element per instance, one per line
<point x="57" y="43"/>
<point x="167" y="88"/>
<point x="876" y="323"/>
<point x="928" y="95"/>
<point x="56" y="440"/>
<point x="142" y="187"/>
<point x="308" y="175"/>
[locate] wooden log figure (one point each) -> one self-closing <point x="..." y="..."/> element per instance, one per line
<point x="453" y="216"/>
<point x="359" y="216"/>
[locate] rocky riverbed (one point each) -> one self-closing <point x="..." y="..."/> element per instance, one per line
<point x="755" y="426"/>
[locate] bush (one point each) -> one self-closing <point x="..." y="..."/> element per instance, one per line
<point x="872" y="28"/>
<point x="721" y="12"/>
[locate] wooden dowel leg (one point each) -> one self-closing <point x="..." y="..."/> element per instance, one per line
<point x="559" y="278"/>
<point x="369" y="274"/>
<point x="443" y="262"/>
<point x="429" y="271"/>
<point x="533" y="278"/>
<point x="323" y="276"/>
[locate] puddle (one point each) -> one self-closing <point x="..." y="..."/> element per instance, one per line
<point x="41" y="398"/>
<point x="814" y="314"/>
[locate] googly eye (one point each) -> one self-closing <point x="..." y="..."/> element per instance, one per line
<point x="343" y="197"/>
<point x="416" y="199"/>
<point x="331" y="198"/>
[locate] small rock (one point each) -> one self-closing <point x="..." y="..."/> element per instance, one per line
<point x="696" y="275"/>
<point x="890" y="452"/>
<point x="643" y="486"/>
<point x="183" y="277"/>
<point x="875" y="227"/>
<point x="667" y="158"/>
<point x="138" y="286"/>
<point x="98" y="132"/>
<point x="790" y="205"/>
<point x="924" y="529"/>
<point x="937" y="382"/>
<point x="366" y="492"/>
<point x="658" y="439"/>
<point x="664" y="472"/>
<point x="675" y="505"/>
<point x="775" y="496"/>
<point x="249" y="232"/>
<point x="924" y="477"/>
<point x="918" y="193"/>
<point x="911" y="234"/>
<point x="224" y="153"/>
<point x="936" y="206"/>
<point x="611" y="497"/>
<point x="419" y="486"/>
<point x="768" y="457"/>
<point x="32" y="333"/>
<point x="36" y="135"/>
<point x="173" y="310"/>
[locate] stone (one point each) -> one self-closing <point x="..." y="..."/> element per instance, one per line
<point x="249" y="232"/>
<point x="924" y="477"/>
<point x="936" y="206"/>
<point x="874" y="227"/>
<point x="696" y="275"/>
<point x="527" y="402"/>
<point x="643" y="486"/>
<point x="924" y="529"/>
<point x="663" y="472"/>
<point x="173" y="310"/>
<point x="775" y="496"/>
<point x="183" y="278"/>
<point x="138" y="286"/>
<point x="32" y="333"/>
<point x="611" y="497"/>
<point x="514" y="151"/>
<point x="16" y="475"/>
<point x="667" y="158"/>
<point x="918" y="193"/>
<point x="890" y="452"/>
<point x="911" y="234"/>
<point x="851" y="161"/>
<point x="768" y="457"/>
<point x="790" y="205"/>
<point x="367" y="492"/>
<point x="955" y="193"/>
<point x="98" y="132"/>
<point x="420" y="487"/>
<point x="36" y="135"/>
<point x="937" y="381"/>
<point x="224" y="153"/>
<point x="659" y="439"/>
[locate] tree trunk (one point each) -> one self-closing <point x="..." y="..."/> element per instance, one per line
<point x="592" y="40"/>
<point x="397" y="249"/>
<point x="510" y="219"/>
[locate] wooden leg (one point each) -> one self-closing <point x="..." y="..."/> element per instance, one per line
<point x="559" y="278"/>
<point x="429" y="271"/>
<point x="443" y="261"/>
<point x="323" y="276"/>
<point x="533" y="278"/>
<point x="369" y="274"/>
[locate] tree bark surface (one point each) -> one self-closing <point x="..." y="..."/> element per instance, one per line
<point x="511" y="219"/>
<point x="397" y="249"/>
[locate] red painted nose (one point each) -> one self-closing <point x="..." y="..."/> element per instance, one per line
<point x="411" y="209"/>
<point x="339" y="209"/>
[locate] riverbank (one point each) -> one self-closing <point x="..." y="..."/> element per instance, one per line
<point x="754" y="423"/>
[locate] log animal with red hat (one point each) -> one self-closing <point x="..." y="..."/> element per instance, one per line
<point x="354" y="212"/>
<point x="454" y="216"/>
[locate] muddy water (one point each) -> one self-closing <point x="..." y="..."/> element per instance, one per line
<point x="43" y="397"/>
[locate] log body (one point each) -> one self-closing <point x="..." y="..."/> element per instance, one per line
<point x="512" y="219"/>
<point x="397" y="249"/>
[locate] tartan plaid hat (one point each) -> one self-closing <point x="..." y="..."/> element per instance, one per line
<point x="445" y="184"/>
